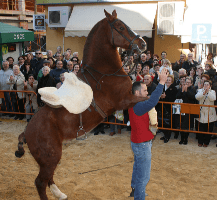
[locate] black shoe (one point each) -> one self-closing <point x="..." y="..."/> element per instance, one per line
<point x="181" y="142"/>
<point x="166" y="140"/>
<point x="11" y="115"/>
<point x="16" y="117"/>
<point x="185" y="142"/>
<point x="96" y="133"/>
<point x="132" y="193"/>
<point x="103" y="132"/>
<point x="162" y="138"/>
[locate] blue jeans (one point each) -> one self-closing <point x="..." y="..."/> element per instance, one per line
<point x="141" y="168"/>
<point x="112" y="126"/>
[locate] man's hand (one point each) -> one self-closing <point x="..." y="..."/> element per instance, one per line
<point x="163" y="76"/>
<point x="11" y="78"/>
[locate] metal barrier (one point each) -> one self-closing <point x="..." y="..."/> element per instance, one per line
<point x="11" y="99"/>
<point x="185" y="108"/>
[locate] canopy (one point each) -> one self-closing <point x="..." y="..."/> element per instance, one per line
<point x="139" y="17"/>
<point x="199" y="22"/>
<point x="12" y="34"/>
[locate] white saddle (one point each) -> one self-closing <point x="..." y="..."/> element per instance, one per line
<point x="75" y="95"/>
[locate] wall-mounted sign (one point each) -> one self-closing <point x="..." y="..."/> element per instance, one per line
<point x="11" y="47"/>
<point x="39" y="22"/>
<point x="201" y="33"/>
<point x="4" y="49"/>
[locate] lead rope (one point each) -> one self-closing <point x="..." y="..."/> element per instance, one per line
<point x="81" y="129"/>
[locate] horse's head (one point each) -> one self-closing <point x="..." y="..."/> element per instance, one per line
<point x="122" y="35"/>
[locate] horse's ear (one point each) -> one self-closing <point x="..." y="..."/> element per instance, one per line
<point x="108" y="15"/>
<point x="114" y="14"/>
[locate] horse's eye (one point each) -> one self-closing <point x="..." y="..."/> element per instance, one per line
<point x="121" y="28"/>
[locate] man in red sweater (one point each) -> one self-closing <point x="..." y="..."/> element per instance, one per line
<point x="141" y="136"/>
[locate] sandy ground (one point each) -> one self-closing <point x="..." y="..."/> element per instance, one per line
<point x="100" y="168"/>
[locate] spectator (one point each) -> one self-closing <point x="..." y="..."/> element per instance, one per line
<point x="52" y="62"/>
<point x="37" y="63"/>
<point x="169" y="95"/>
<point x="16" y="82"/>
<point x="178" y="64"/>
<point x="50" y="54"/>
<point x="189" y="63"/>
<point x="155" y="57"/>
<point x="31" y="99"/>
<point x="59" y="50"/>
<point x="76" y="68"/>
<point x="143" y="60"/>
<point x="131" y="64"/>
<point x="45" y="81"/>
<point x="182" y="72"/>
<point x="166" y="64"/>
<point x="155" y="61"/>
<point x="74" y="60"/>
<point x="209" y="59"/>
<point x="149" y="83"/>
<point x="4" y="76"/>
<point x="11" y="62"/>
<point x="40" y="73"/>
<point x="66" y="59"/>
<point x="29" y="57"/>
<point x="192" y="74"/>
<point x="149" y="60"/>
<point x="187" y="94"/>
<point x="26" y="69"/>
<point x="199" y="73"/>
<point x="181" y="81"/>
<point x="69" y="67"/>
<point x="206" y="96"/>
<point x="62" y="79"/>
<point x="211" y="71"/>
<point x="145" y="71"/>
<point x="155" y="73"/>
<point x="59" y="57"/>
<point x="75" y="54"/>
<point x="163" y="56"/>
<point x="70" y="52"/>
<point x="55" y="73"/>
<point x="137" y="72"/>
<point x="20" y="61"/>
<point x="136" y="58"/>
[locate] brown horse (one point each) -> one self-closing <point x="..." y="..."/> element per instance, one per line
<point x="50" y="126"/>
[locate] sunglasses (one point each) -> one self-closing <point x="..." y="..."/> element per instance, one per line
<point x="37" y="53"/>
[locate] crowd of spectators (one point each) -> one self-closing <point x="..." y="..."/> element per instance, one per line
<point x="188" y="82"/>
<point x="30" y="73"/>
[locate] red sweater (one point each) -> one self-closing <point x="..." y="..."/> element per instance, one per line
<point x="139" y="127"/>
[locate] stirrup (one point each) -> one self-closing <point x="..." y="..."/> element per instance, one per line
<point x="85" y="134"/>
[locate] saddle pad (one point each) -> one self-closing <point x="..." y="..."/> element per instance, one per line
<point x="75" y="95"/>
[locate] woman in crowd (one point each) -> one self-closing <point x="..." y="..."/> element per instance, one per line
<point x="192" y="74"/>
<point x="76" y="68"/>
<point x="62" y="79"/>
<point x="166" y="64"/>
<point x="145" y="71"/>
<point x="26" y="69"/>
<point x="52" y="62"/>
<point x="74" y="60"/>
<point x="29" y="57"/>
<point x="206" y="96"/>
<point x="169" y="95"/>
<point x="16" y="82"/>
<point x="135" y="73"/>
<point x="45" y="81"/>
<point x="31" y="99"/>
<point x="199" y="73"/>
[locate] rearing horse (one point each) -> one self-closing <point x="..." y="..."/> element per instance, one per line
<point x="112" y="91"/>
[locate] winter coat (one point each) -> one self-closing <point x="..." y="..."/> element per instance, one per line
<point x="4" y="76"/>
<point x="19" y="81"/>
<point x="31" y="96"/>
<point x="207" y="99"/>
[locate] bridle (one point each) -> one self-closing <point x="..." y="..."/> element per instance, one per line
<point x="129" y="31"/>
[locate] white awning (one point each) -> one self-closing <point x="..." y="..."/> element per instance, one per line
<point x="199" y="13"/>
<point x="139" y="17"/>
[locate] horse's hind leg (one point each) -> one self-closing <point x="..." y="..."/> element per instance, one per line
<point x="55" y="190"/>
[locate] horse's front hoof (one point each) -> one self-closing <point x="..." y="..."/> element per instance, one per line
<point x="18" y="154"/>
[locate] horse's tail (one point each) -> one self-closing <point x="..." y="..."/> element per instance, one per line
<point x="21" y="150"/>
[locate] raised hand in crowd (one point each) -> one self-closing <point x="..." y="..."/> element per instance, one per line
<point x="206" y="88"/>
<point x="163" y="96"/>
<point x="163" y="76"/>
<point x="11" y="78"/>
<point x="184" y="87"/>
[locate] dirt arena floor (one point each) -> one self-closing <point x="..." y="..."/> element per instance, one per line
<point x="100" y="168"/>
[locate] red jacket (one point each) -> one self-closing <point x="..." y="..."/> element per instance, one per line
<point x="139" y="127"/>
